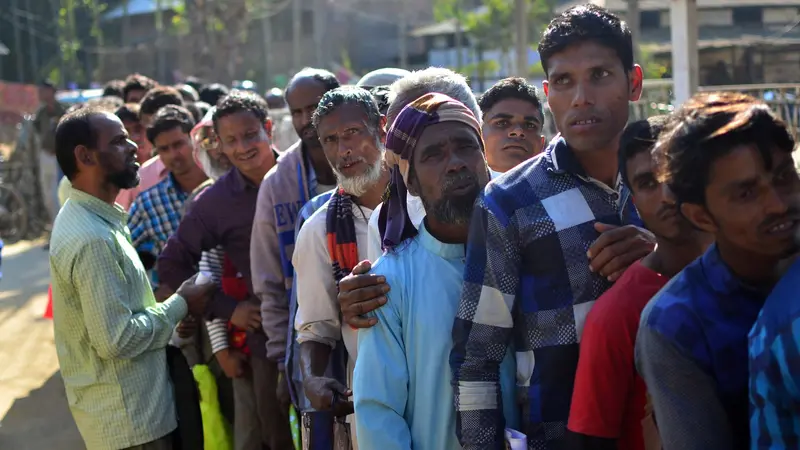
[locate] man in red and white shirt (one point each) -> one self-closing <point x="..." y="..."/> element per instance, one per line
<point x="610" y="408"/>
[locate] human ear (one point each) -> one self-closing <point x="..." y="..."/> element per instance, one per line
<point x="699" y="216"/>
<point x="84" y="156"/>
<point x="636" y="81"/>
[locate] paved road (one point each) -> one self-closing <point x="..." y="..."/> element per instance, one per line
<point x="33" y="406"/>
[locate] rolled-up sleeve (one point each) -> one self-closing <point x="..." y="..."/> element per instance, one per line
<point x="114" y="330"/>
<point x="267" y="275"/>
<point x="318" y="311"/>
<point x="180" y="258"/>
<point x="380" y="382"/>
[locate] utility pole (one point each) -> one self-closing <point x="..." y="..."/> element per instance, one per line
<point x="18" y="43"/>
<point x="160" y="42"/>
<point x="521" y="11"/>
<point x="266" y="33"/>
<point x="32" y="40"/>
<point x="459" y="38"/>
<point x="633" y="17"/>
<point x="126" y="35"/>
<point x="402" y="35"/>
<point x="297" y="18"/>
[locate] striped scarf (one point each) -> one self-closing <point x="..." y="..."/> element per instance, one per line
<point x="341" y="232"/>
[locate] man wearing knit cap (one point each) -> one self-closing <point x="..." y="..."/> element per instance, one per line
<point x="403" y="396"/>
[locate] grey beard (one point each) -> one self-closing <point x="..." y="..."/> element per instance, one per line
<point x="359" y="185"/>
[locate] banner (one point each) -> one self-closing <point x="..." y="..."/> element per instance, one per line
<point x="18" y="98"/>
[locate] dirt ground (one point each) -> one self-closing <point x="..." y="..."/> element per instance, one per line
<point x="33" y="406"/>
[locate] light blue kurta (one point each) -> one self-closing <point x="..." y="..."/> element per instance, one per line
<point x="402" y="381"/>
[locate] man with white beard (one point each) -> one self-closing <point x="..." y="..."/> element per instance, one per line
<point x="334" y="240"/>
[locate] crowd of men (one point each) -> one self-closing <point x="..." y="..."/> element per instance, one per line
<point x="421" y="270"/>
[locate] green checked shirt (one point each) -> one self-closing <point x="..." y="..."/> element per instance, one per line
<point x="110" y="333"/>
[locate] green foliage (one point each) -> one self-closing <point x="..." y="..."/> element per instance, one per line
<point x="650" y="66"/>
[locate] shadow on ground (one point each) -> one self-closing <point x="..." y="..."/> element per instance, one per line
<point x="43" y="414"/>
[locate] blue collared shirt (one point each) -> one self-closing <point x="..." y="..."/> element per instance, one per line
<point x="527" y="278"/>
<point x="698" y="325"/>
<point x="775" y="367"/>
<point x="402" y="383"/>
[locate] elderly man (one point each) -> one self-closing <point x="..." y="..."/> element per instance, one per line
<point x="403" y="397"/>
<point x="334" y="239"/>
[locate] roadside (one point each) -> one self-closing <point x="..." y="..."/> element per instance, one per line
<point x="33" y="407"/>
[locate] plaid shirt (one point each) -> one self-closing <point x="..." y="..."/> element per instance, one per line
<point x="527" y="277"/>
<point x="154" y="216"/>
<point x="775" y="367"/>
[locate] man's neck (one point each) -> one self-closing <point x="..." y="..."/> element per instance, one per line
<point x="257" y="176"/>
<point x="189" y="181"/>
<point x="669" y="258"/>
<point x="755" y="269"/>
<point x="600" y="165"/>
<point x="447" y="232"/>
<point x="320" y="164"/>
<point x="106" y="192"/>
<point x="374" y="195"/>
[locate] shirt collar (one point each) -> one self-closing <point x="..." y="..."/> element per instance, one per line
<point x="563" y="161"/>
<point x="240" y="182"/>
<point x="114" y="215"/>
<point x="720" y="277"/>
<point x="437" y="247"/>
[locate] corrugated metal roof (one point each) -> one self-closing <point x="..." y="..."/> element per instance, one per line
<point x="655" y="5"/>
<point x="136" y="7"/>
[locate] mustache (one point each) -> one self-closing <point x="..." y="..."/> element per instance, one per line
<point x="793" y="213"/>
<point x="458" y="180"/>
<point x="350" y="160"/>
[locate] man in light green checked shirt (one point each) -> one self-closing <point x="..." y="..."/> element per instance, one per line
<point x="110" y="333"/>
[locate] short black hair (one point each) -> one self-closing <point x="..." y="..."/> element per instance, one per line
<point x="74" y="129"/>
<point x="129" y="112"/>
<point x="194" y="82"/>
<point x="381" y="96"/>
<point x="328" y="79"/>
<point x="348" y="95"/>
<point x="107" y="104"/>
<point x="158" y="98"/>
<point x="198" y="110"/>
<point x="47" y="84"/>
<point x="212" y="93"/>
<point x="513" y="87"/>
<point x="587" y="23"/>
<point x="707" y="127"/>
<point x="137" y="82"/>
<point x="189" y="93"/>
<point x="169" y="118"/>
<point x="114" y="88"/>
<point x="238" y="101"/>
<point x="639" y="137"/>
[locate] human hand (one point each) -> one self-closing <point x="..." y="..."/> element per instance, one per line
<point x="187" y="327"/>
<point x="196" y="295"/>
<point x="328" y="394"/>
<point x="232" y="362"/>
<point x="247" y="316"/>
<point x="282" y="391"/>
<point x="617" y="248"/>
<point x="359" y="293"/>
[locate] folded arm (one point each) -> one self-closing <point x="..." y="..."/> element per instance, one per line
<point x="180" y="258"/>
<point x="115" y="331"/>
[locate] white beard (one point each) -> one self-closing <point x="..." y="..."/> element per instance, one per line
<point x="359" y="185"/>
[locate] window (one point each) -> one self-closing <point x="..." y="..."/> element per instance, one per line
<point x="650" y="19"/>
<point x="748" y="15"/>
